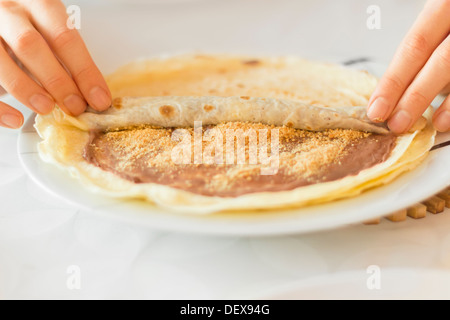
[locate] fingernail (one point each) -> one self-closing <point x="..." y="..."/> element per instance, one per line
<point x="11" y="121"/>
<point x="75" y="104"/>
<point x="442" y="122"/>
<point x="400" y="122"/>
<point x="378" y="110"/>
<point x="41" y="103"/>
<point x="100" y="98"/>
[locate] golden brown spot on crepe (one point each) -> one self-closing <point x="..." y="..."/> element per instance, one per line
<point x="117" y="103"/>
<point x="289" y="124"/>
<point x="245" y="97"/>
<point x="167" y="111"/>
<point x="208" y="108"/>
<point x="251" y="62"/>
<point x="240" y="85"/>
<point x="144" y="155"/>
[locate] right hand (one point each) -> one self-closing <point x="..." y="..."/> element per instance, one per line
<point x="57" y="67"/>
<point x="419" y="71"/>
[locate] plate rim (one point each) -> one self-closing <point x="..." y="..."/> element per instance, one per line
<point x="271" y="226"/>
<point x="260" y="227"/>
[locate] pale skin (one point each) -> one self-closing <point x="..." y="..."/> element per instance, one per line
<point x="56" y="67"/>
<point x="419" y="71"/>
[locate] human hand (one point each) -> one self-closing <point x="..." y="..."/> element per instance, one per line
<point x="57" y="67"/>
<point x="419" y="71"/>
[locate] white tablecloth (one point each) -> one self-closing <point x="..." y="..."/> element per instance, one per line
<point x="44" y="241"/>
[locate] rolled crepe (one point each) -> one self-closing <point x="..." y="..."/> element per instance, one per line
<point x="184" y="111"/>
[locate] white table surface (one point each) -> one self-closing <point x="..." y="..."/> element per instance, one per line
<point x="41" y="236"/>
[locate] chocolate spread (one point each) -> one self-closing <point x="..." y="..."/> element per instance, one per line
<point x="141" y="155"/>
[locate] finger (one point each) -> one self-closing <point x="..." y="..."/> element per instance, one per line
<point x="32" y="50"/>
<point x="446" y="90"/>
<point x="50" y="19"/>
<point x="441" y="118"/>
<point x="434" y="76"/>
<point x="10" y="117"/>
<point x="429" y="30"/>
<point x="22" y="87"/>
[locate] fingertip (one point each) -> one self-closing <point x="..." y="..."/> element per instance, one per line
<point x="76" y="113"/>
<point x="100" y="99"/>
<point x="75" y="105"/>
<point x="11" y="119"/>
<point x="442" y="121"/>
<point x="395" y="131"/>
<point x="42" y="104"/>
<point x="378" y="110"/>
<point x="400" y="122"/>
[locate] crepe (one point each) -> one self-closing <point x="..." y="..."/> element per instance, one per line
<point x="225" y="90"/>
<point x="184" y="111"/>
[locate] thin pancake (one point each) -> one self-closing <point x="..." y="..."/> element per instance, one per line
<point x="144" y="155"/>
<point x="322" y="85"/>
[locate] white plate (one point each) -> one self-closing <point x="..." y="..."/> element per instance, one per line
<point x="431" y="177"/>
<point x="428" y="179"/>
